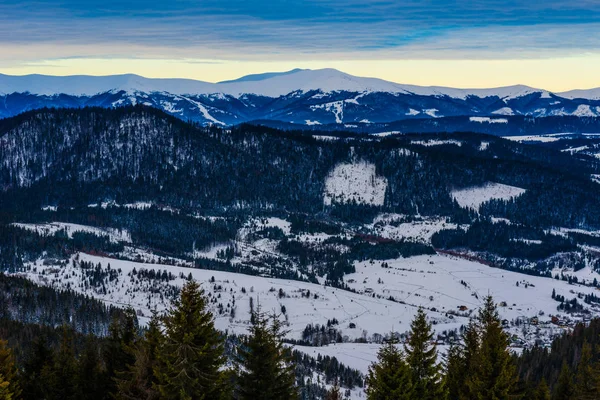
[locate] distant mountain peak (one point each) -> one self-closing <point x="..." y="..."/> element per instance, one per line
<point x="262" y="76"/>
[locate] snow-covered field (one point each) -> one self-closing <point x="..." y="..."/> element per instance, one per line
<point x="474" y="197"/>
<point x="435" y="142"/>
<point x="355" y="182"/>
<point x="554" y="137"/>
<point x="420" y="230"/>
<point x="51" y="228"/>
<point x="370" y="314"/>
<point x="489" y="120"/>
<point x="386" y="295"/>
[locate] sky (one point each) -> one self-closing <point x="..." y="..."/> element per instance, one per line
<point x="551" y="44"/>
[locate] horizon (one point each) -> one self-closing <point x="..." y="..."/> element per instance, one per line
<point x="291" y="71"/>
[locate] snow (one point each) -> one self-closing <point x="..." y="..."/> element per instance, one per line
<point x="432" y="112"/>
<point x="484" y="146"/>
<point x="309" y="122"/>
<point x="584" y="110"/>
<point x="384" y="134"/>
<point x="205" y="112"/>
<point x="357" y="182"/>
<point x="367" y="313"/>
<point x="474" y="197"/>
<point x="436" y="142"/>
<point x="589" y="94"/>
<point x="489" y="120"/>
<point x="272" y="85"/>
<point x="354" y="355"/>
<point x="51" y="228"/>
<point x="385" y="297"/>
<point x="413" y="112"/>
<point x="336" y="107"/>
<point x="533" y="138"/>
<point x="420" y="230"/>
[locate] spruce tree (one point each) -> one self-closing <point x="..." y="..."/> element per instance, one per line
<point x="586" y="379"/>
<point x="542" y="392"/>
<point x="390" y="377"/>
<point x="139" y="380"/>
<point x="191" y="359"/>
<point x="454" y="381"/>
<point x="63" y="375"/>
<point x="493" y="376"/>
<point x="89" y="378"/>
<point x="8" y="370"/>
<point x="118" y="352"/>
<point x="37" y="369"/>
<point x="265" y="368"/>
<point x="565" y="388"/>
<point x="471" y="342"/>
<point x="421" y="357"/>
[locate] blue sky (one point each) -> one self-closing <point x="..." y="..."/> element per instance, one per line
<point x="213" y="40"/>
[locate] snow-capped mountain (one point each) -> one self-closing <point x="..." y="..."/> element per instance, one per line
<point x="307" y="97"/>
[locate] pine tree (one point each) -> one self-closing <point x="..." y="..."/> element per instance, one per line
<point x="542" y="392"/>
<point x="421" y="356"/>
<point x="265" y="368"/>
<point x="586" y="379"/>
<point x="139" y="381"/>
<point x="191" y="357"/>
<point x="8" y="370"/>
<point x="390" y="377"/>
<point x="565" y="388"/>
<point x="493" y="377"/>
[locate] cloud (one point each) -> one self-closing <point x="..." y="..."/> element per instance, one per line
<point x="292" y="29"/>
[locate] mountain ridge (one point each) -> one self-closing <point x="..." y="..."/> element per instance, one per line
<point x="307" y="97"/>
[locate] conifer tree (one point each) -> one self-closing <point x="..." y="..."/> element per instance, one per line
<point x="139" y="381"/>
<point x="390" y="377"/>
<point x="191" y="356"/>
<point x="455" y="377"/>
<point x="565" y="388"/>
<point x="493" y="376"/>
<point x="334" y="393"/>
<point x="8" y="370"/>
<point x="421" y="357"/>
<point x="62" y="378"/>
<point x="542" y="392"/>
<point x="471" y="344"/>
<point x="37" y="369"/>
<point x="118" y="353"/>
<point x="265" y="368"/>
<point x="586" y="379"/>
<point x="89" y="383"/>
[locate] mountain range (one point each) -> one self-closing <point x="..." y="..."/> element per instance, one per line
<point x="298" y="97"/>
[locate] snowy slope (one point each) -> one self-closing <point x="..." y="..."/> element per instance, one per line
<point x="357" y="182"/>
<point x="270" y="84"/>
<point x="476" y="196"/>
<point x="307" y="97"/>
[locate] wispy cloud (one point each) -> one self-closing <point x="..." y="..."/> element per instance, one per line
<point x="241" y="30"/>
